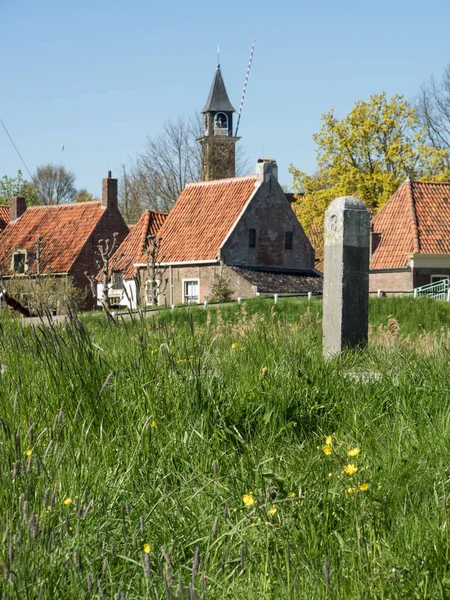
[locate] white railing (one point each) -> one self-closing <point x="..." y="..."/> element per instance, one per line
<point x="439" y="290"/>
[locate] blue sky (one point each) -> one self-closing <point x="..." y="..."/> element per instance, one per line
<point x="100" y="76"/>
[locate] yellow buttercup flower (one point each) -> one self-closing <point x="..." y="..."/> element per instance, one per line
<point x="353" y="452"/>
<point x="153" y="424"/>
<point x="233" y="346"/>
<point x="292" y="495"/>
<point x="328" y="440"/>
<point x="248" y="500"/>
<point x="272" y="510"/>
<point x="327" y="449"/>
<point x="352" y="490"/>
<point x="364" y="487"/>
<point x="67" y="501"/>
<point x="264" y="370"/>
<point x="147" y="548"/>
<point x="350" y="469"/>
<point x="330" y="474"/>
<point x="29" y="452"/>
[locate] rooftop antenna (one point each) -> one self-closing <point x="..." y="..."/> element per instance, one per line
<point x="245" y="86"/>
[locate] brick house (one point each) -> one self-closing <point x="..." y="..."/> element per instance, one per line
<point x="125" y="290"/>
<point x="411" y="238"/>
<point x="60" y="240"/>
<point x="241" y="227"/>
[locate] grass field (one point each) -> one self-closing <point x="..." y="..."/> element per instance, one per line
<point x="214" y="454"/>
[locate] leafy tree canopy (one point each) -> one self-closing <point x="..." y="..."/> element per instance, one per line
<point x="367" y="154"/>
<point x="17" y="186"/>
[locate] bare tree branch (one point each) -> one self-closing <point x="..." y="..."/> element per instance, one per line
<point x="169" y="161"/>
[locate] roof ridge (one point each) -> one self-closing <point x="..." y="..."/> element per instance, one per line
<point x="418" y="181"/>
<point x="155" y="212"/>
<point x="220" y="181"/>
<point x="65" y="205"/>
<point x="413" y="215"/>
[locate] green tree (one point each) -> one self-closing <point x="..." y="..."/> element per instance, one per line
<point x="17" y="186"/>
<point x="84" y="196"/>
<point x="10" y="186"/>
<point x="367" y="154"/>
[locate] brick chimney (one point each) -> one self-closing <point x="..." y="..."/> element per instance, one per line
<point x="17" y="206"/>
<point x="109" y="192"/>
<point x="266" y="169"/>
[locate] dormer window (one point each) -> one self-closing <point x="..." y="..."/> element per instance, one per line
<point x="19" y="261"/>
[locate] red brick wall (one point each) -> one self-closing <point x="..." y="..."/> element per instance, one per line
<point x="110" y="222"/>
<point x="391" y="281"/>
<point x="271" y="215"/>
<point x="205" y="275"/>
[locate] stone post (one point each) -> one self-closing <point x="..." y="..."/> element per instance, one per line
<point x="346" y="275"/>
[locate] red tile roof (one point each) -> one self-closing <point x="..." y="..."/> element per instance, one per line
<point x="64" y="229"/>
<point x="202" y="217"/>
<point x="416" y="219"/>
<point x="4" y="216"/>
<point x="131" y="250"/>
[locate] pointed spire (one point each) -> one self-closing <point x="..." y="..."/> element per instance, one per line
<point x="218" y="98"/>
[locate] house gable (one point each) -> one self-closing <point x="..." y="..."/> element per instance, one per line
<point x="202" y="217"/>
<point x="416" y="220"/>
<point x="269" y="215"/>
<point x="86" y="261"/>
<point x="131" y="251"/>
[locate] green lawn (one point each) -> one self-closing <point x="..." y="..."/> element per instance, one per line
<point x="186" y="456"/>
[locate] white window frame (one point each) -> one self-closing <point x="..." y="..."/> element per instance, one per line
<point x="113" y="287"/>
<point x="439" y="277"/>
<point x="183" y="290"/>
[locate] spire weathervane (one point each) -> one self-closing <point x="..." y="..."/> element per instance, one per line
<point x="218" y="55"/>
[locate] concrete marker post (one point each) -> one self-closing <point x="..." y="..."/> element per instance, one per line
<point x="346" y="276"/>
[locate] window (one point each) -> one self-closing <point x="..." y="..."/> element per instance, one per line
<point x="252" y="238"/>
<point x="288" y="237"/>
<point x="152" y="291"/>
<point x="115" y="300"/>
<point x="19" y="262"/>
<point x="117" y="281"/>
<point x="191" y="291"/>
<point x="436" y="278"/>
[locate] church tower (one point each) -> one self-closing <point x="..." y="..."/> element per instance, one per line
<point x="218" y="143"/>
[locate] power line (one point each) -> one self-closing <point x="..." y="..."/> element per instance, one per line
<point x="18" y="153"/>
<point x="39" y="189"/>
